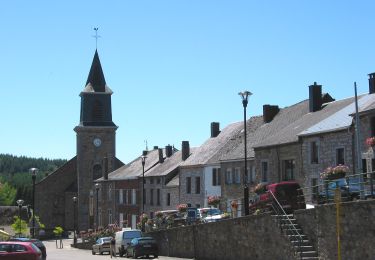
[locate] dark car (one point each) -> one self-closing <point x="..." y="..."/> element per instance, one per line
<point x="288" y="194"/>
<point x="142" y="246"/>
<point x="19" y="250"/>
<point x="103" y="244"/>
<point x="36" y="242"/>
<point x="349" y="190"/>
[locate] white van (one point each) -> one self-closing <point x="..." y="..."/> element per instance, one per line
<point x="124" y="237"/>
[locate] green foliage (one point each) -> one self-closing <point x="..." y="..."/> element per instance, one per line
<point x="58" y="231"/>
<point x="15" y="171"/>
<point x="19" y="226"/>
<point x="37" y="222"/>
<point x="7" y="194"/>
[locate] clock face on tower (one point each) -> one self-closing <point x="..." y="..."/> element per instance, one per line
<point x="97" y="142"/>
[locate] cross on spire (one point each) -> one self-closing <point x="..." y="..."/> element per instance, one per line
<point x="96" y="36"/>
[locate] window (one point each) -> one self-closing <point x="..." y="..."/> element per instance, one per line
<point x="168" y="199"/>
<point x="372" y="125"/>
<point x="197" y="206"/>
<point x="216" y="177"/>
<point x="151" y="196"/>
<point x="314" y="154"/>
<point x="288" y="167"/>
<point x="151" y="180"/>
<point x="120" y="196"/>
<point x="197" y="185"/>
<point x="129" y="196"/>
<point x="134" y="197"/>
<point x="237" y="174"/>
<point x="98" y="111"/>
<point x="228" y="176"/>
<point x="110" y="192"/>
<point x="264" y="171"/>
<point x="252" y="174"/>
<point x="97" y="171"/>
<point x="109" y="216"/>
<point x="314" y="188"/>
<point x="188" y="185"/>
<point x="340" y="156"/>
<point x="158" y="197"/>
<point x="158" y="180"/>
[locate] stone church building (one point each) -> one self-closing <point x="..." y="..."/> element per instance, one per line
<point x="96" y="156"/>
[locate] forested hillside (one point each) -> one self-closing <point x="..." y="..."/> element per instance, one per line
<point x="15" y="178"/>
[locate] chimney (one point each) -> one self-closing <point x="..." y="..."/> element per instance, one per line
<point x="161" y="158"/>
<point x="144" y="153"/>
<point x="105" y="162"/>
<point x="269" y="112"/>
<point x="215" y="129"/>
<point x="156" y="147"/>
<point x="168" y="150"/>
<point x="315" y="97"/>
<point x="371" y="83"/>
<point x="185" y="150"/>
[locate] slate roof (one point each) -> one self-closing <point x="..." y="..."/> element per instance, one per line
<point x="207" y="152"/>
<point x="293" y="120"/>
<point x="133" y="169"/>
<point x="170" y="164"/>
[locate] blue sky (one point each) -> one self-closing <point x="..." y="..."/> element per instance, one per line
<point x="174" y="66"/>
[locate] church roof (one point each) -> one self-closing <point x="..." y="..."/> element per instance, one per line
<point x="96" y="81"/>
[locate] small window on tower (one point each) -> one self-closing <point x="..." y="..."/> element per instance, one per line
<point x="98" y="111"/>
<point x="97" y="172"/>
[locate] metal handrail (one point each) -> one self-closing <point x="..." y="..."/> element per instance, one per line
<point x="294" y="229"/>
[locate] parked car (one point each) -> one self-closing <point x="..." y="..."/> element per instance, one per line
<point x="19" y="250"/>
<point x="123" y="239"/>
<point x="103" y="244"/>
<point x="288" y="194"/>
<point x="142" y="246"/>
<point x="349" y="191"/>
<point x="36" y="242"/>
<point x="207" y="215"/>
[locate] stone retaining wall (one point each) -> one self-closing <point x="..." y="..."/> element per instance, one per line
<point x="258" y="237"/>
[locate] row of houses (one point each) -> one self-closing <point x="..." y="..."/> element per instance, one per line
<point x="292" y="143"/>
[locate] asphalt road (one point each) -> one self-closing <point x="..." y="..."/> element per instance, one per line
<point x="67" y="253"/>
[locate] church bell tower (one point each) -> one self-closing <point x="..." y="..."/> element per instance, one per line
<point x="96" y="140"/>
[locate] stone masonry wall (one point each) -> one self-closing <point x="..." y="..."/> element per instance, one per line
<point x="258" y="237"/>
<point x="193" y="198"/>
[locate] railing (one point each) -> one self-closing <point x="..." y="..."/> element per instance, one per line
<point x="353" y="187"/>
<point x="279" y="210"/>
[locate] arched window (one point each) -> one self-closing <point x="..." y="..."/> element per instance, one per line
<point x="97" y="172"/>
<point x="98" y="111"/>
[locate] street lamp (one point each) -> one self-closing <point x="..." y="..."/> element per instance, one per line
<point x="33" y="172"/>
<point x="74" y="220"/>
<point x="19" y="203"/>
<point x="143" y="157"/>
<point x="97" y="187"/>
<point x="244" y="95"/>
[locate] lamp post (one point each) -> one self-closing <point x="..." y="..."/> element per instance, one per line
<point x="245" y="95"/>
<point x="143" y="157"/>
<point x="97" y="187"/>
<point x="33" y="172"/>
<point x="74" y="220"/>
<point x="19" y="203"/>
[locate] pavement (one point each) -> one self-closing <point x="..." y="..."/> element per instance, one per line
<point x="67" y="252"/>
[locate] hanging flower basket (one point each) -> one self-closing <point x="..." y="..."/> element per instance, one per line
<point x="182" y="207"/>
<point x="159" y="214"/>
<point x="213" y="200"/>
<point x="370" y="141"/>
<point x="234" y="204"/>
<point x="260" y="188"/>
<point x="333" y="173"/>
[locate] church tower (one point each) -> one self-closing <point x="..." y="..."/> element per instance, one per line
<point x="96" y="140"/>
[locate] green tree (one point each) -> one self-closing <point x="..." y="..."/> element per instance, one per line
<point x="7" y="194"/>
<point x="19" y="226"/>
<point x="58" y="231"/>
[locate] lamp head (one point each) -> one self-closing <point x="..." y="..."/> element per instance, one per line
<point x="20" y="203"/>
<point x="75" y="199"/>
<point x="143" y="159"/>
<point x="245" y="95"/>
<point x="33" y="171"/>
<point x="97" y="186"/>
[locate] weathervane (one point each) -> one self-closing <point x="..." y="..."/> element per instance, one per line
<point x="96" y="36"/>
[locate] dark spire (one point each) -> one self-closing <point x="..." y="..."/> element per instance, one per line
<point x="96" y="76"/>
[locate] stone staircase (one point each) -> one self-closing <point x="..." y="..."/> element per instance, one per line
<point x="300" y="242"/>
